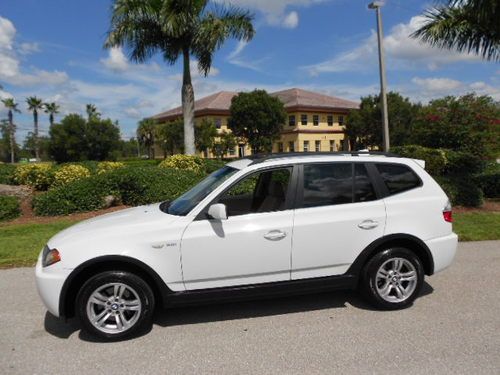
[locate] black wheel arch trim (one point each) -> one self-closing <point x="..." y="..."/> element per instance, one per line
<point x="400" y="239"/>
<point x="108" y="262"/>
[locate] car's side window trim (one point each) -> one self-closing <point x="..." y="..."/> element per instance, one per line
<point x="289" y="198"/>
<point x="377" y="181"/>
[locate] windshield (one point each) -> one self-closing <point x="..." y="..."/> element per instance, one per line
<point x="187" y="201"/>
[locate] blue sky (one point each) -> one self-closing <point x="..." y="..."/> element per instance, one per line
<point x="53" y="49"/>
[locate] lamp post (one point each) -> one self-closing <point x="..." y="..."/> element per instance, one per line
<point x="383" y="97"/>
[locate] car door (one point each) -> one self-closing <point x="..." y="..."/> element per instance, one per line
<point x="253" y="245"/>
<point x="338" y="214"/>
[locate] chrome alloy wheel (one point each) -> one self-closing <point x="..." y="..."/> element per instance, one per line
<point x="114" y="308"/>
<point x="396" y="280"/>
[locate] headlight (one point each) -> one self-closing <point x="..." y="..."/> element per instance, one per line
<point x="50" y="256"/>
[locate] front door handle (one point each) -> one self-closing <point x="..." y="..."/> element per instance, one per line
<point x="368" y="224"/>
<point x="275" y="235"/>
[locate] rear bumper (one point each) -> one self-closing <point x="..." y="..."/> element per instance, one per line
<point x="49" y="285"/>
<point x="443" y="250"/>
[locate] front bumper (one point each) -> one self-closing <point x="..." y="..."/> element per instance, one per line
<point x="49" y="282"/>
<point x="443" y="250"/>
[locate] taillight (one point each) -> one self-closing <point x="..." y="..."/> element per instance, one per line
<point x="447" y="213"/>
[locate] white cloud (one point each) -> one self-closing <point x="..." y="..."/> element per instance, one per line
<point x="291" y="20"/>
<point x="402" y="52"/>
<point x="116" y="60"/>
<point x="437" y="84"/>
<point x="10" y="66"/>
<point x="235" y="58"/>
<point x="28" y="48"/>
<point x="274" y="11"/>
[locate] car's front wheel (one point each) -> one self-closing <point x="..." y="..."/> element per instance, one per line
<point x="115" y="305"/>
<point x="392" y="279"/>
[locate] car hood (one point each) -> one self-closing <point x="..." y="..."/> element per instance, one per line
<point x="120" y="224"/>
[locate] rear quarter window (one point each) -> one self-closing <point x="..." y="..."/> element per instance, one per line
<point x="398" y="177"/>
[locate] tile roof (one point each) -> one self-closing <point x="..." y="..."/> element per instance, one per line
<point x="291" y="98"/>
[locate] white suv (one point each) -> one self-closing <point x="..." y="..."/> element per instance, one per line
<point x="285" y="223"/>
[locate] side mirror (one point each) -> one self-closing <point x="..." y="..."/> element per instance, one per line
<point x="217" y="211"/>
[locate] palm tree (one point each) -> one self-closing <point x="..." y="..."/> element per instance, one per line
<point x="177" y="28"/>
<point x="35" y="104"/>
<point x="52" y="109"/>
<point x="11" y="105"/>
<point x="146" y="135"/>
<point x="92" y="113"/>
<point x="464" y="25"/>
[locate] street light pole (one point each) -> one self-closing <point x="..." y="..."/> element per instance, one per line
<point x="383" y="97"/>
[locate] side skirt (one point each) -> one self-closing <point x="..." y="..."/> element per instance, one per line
<point x="261" y="291"/>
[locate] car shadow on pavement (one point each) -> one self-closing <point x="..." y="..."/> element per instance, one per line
<point x="218" y="312"/>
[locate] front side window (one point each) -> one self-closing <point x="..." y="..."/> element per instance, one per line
<point x="263" y="191"/>
<point x="187" y="201"/>
<point x="398" y="177"/>
<point x="303" y="119"/>
<point x="327" y="184"/>
<point x="315" y="120"/>
<point x="306" y="146"/>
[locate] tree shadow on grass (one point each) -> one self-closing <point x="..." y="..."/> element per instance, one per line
<point x="218" y="312"/>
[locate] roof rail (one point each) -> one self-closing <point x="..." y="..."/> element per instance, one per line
<point x="260" y="158"/>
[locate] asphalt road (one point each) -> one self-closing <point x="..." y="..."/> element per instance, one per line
<point x="454" y="327"/>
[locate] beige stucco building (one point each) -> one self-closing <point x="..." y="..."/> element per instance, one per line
<point x="315" y="122"/>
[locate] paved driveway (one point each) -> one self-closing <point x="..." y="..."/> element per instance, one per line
<point x="454" y="327"/>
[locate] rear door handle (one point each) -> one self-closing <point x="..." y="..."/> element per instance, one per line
<point x="275" y="235"/>
<point x="368" y="224"/>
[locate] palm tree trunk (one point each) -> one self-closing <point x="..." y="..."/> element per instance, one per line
<point x="35" y="120"/>
<point x="12" y="140"/>
<point x="188" y="106"/>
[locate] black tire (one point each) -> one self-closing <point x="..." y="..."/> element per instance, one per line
<point x="371" y="287"/>
<point x="135" y="289"/>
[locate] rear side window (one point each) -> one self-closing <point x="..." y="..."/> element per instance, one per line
<point x="398" y="177"/>
<point x="327" y="184"/>
<point x="363" y="188"/>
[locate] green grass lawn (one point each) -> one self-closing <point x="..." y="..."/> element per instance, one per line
<point x="21" y="244"/>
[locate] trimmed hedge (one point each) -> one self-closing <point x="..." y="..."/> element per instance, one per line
<point x="9" y="208"/>
<point x="131" y="186"/>
<point x="7" y="173"/>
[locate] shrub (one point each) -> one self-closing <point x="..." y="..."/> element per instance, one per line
<point x="489" y="180"/>
<point x="9" y="208"/>
<point x="39" y="176"/>
<point x="7" y="173"/>
<point x="106" y="166"/>
<point x="468" y="193"/>
<point x="132" y="186"/>
<point x="460" y="163"/>
<point x="212" y="165"/>
<point x="184" y="162"/>
<point x="435" y="159"/>
<point x="69" y="173"/>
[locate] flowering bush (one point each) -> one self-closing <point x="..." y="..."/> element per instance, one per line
<point x="184" y="162"/>
<point x="69" y="173"/>
<point x="106" y="166"/>
<point x="37" y="175"/>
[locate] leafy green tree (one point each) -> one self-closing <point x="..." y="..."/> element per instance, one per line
<point x="92" y="112"/>
<point x="102" y="138"/>
<point x="257" y="117"/>
<point x="6" y="150"/>
<point x="204" y="135"/>
<point x="177" y="28"/>
<point x="129" y="148"/>
<point x="464" y="25"/>
<point x="225" y="143"/>
<point x="52" y="109"/>
<point x="11" y="106"/>
<point x="67" y="139"/>
<point x="468" y="123"/>
<point x="364" y="126"/>
<point x="28" y="149"/>
<point x="34" y="105"/>
<point x="170" y="137"/>
<point x="146" y="132"/>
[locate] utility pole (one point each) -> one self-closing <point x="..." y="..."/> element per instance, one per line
<point x="383" y="97"/>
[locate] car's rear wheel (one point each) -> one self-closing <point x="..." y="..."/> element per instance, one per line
<point x="393" y="278"/>
<point x="115" y="305"/>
